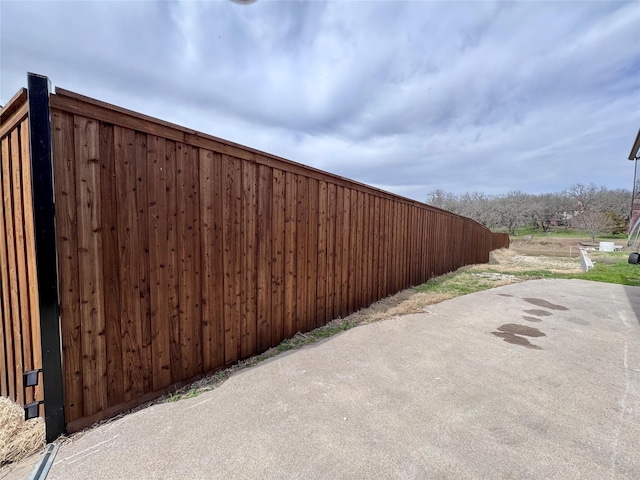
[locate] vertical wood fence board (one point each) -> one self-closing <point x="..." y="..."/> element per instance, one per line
<point x="130" y="248"/>
<point x="217" y="184"/>
<point x="338" y="261"/>
<point x="158" y="261"/>
<point x="278" y="225"/>
<point x="249" y="287"/>
<point x="347" y="253"/>
<point x="321" y="260"/>
<point x="142" y="205"/>
<point x="110" y="265"/>
<point x="302" y="221"/>
<point x="264" y="264"/>
<point x="212" y="268"/>
<point x="172" y="299"/>
<point x="290" y="226"/>
<point x="8" y="382"/>
<point x="331" y="252"/>
<point x="64" y="166"/>
<point x="6" y="337"/>
<point x="13" y="296"/>
<point x="233" y="261"/>
<point x="373" y="239"/>
<point x="312" y="256"/>
<point x="21" y="260"/>
<point x="18" y="160"/>
<point x="86" y="134"/>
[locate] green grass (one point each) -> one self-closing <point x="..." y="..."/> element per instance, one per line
<point x="621" y="273"/>
<point x="610" y="267"/>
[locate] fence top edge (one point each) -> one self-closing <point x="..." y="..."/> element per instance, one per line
<point x="13" y="104"/>
<point x="326" y="176"/>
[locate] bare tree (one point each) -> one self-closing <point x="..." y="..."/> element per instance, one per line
<point x="547" y="209"/>
<point x="513" y="210"/>
<point x="584" y="195"/>
<point x="445" y="200"/>
<point x="593" y="222"/>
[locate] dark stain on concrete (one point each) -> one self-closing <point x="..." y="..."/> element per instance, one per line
<point x="543" y="303"/>
<point x="531" y="319"/>
<point x="521" y="330"/>
<point x="539" y="313"/>
<point x="505" y="295"/>
<point x="512" y="333"/>
<point x="516" y="340"/>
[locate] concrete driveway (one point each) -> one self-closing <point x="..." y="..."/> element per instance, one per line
<point x="533" y="380"/>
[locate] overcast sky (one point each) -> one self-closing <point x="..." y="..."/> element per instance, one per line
<point x="406" y="96"/>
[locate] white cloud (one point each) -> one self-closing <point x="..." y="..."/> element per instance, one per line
<point x="413" y="96"/>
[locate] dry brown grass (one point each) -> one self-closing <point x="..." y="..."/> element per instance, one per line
<point x="18" y="438"/>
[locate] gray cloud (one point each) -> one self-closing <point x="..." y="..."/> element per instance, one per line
<point x="407" y="96"/>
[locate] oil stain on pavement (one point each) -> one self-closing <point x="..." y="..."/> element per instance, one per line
<point x="543" y="303"/>
<point x="513" y="333"/>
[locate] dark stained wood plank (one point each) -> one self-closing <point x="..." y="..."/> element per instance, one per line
<point x="184" y="246"/>
<point x="321" y="315"/>
<point x="264" y="258"/>
<point x="67" y="235"/>
<point x="370" y="236"/>
<point x="94" y="371"/>
<point x="142" y="205"/>
<point x="195" y="263"/>
<point x="110" y="265"/>
<point x="218" y="342"/>
<point x="377" y="240"/>
<point x="338" y="262"/>
<point x="355" y="266"/>
<point x="331" y="251"/>
<point x="301" y="250"/>
<point x="172" y="299"/>
<point x="347" y="254"/>
<point x="158" y="262"/>
<point x="232" y="202"/>
<point x="290" y="248"/>
<point x="278" y="227"/>
<point x="129" y="261"/>
<point x="249" y="284"/>
<point x="189" y="292"/>
<point x="364" y="246"/>
<point x="312" y="256"/>
<point x="207" y="219"/>
<point x="393" y="248"/>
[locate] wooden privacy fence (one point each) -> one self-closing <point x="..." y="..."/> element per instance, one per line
<point x="180" y="253"/>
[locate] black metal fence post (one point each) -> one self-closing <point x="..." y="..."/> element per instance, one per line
<point x="46" y="258"/>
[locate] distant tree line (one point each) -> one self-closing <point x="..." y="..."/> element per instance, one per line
<point x="592" y="208"/>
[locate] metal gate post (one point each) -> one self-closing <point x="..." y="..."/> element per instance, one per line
<point x="46" y="257"/>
